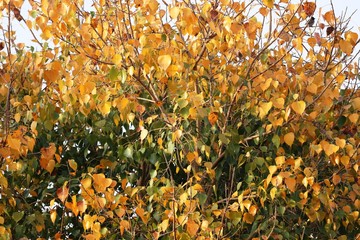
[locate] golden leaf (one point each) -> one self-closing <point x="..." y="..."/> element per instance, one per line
<point x="164" y="61"/>
<point x="356" y="103"/>
<point x="289" y="138"/>
<point x="116" y="59"/>
<point x="346" y="47"/>
<point x="280" y="160"/>
<point x="174" y="12"/>
<point x="264" y="108"/>
<point x="272" y="169"/>
<point x="100" y="182"/>
<point x="248" y="218"/>
<point x="328" y="148"/>
<point x="278" y="103"/>
<point x="72" y="164"/>
<point x="329" y="17"/>
<point x="298" y="107"/>
<point x="269" y="3"/>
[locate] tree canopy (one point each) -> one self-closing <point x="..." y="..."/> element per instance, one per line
<point x="151" y="119"/>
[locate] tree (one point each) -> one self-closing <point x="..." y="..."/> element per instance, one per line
<point x="182" y="120"/>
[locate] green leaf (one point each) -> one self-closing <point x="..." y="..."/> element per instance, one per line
<point x="100" y="123"/>
<point x="341" y="121"/>
<point x="276" y="141"/>
<point x="153" y="173"/>
<point x="17" y="216"/>
<point x="113" y="74"/>
<point x="123" y="75"/>
<point x="202" y="198"/>
<point x="129" y="152"/>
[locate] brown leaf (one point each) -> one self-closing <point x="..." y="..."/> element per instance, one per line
<point x="17" y="14"/>
<point x="62" y="193"/>
<point x="329" y="30"/>
<point x="309" y="8"/>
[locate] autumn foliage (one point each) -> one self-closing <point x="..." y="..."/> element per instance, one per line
<point x="178" y="120"/>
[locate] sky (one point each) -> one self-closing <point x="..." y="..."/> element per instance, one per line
<point x="340" y="6"/>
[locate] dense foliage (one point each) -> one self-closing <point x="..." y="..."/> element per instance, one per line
<point x="178" y="120"/>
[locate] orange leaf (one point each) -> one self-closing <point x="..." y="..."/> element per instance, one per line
<point x="289" y="138"/>
<point x="291" y="184"/>
<point x="141" y="213"/>
<point x="248" y="218"/>
<point x="336" y="179"/>
<point x="346" y="47"/>
<point x="213" y="117"/>
<point x="329" y="17"/>
<point x="309" y="8"/>
<point x="298" y="107"/>
<point x="100" y="182"/>
<point x="62" y="193"/>
<point x="192" y="227"/>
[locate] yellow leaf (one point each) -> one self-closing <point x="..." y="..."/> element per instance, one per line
<point x="298" y="107"/>
<point x="340" y="142"/>
<point x="353" y="117"/>
<point x="329" y="17"/>
<point x="273" y="193"/>
<point x="269" y="3"/>
<point x="272" y="169"/>
<point x="163" y="225"/>
<point x="264" y="108"/>
<point x="53" y="216"/>
<point x="86" y="183"/>
<point x="174" y="12"/>
<point x="328" y="148"/>
<point x="289" y="138"/>
<point x="345" y="160"/>
<point x="143" y="134"/>
<point x="72" y="164"/>
<point x="278" y="103"/>
<point x="280" y="160"/>
<point x="17" y="117"/>
<point x="164" y="61"/>
<point x="116" y="59"/>
<point x="105" y="109"/>
<point x="356" y="103"/>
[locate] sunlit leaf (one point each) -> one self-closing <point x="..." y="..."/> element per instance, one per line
<point x="269" y="3"/>
<point x="298" y="107"/>
<point x="164" y="61"/>
<point x="289" y="138"/>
